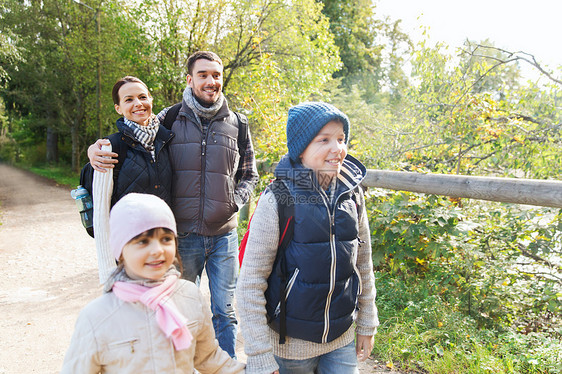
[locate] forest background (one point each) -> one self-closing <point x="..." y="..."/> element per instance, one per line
<point x="463" y="286"/>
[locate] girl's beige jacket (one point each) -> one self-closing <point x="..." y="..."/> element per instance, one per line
<point x="113" y="336"/>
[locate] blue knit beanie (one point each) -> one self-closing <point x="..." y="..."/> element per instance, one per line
<point x="306" y="120"/>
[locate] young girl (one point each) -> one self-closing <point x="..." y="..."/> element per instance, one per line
<point x="148" y="320"/>
<point x="330" y="313"/>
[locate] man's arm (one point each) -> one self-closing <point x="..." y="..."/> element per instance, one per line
<point x="247" y="175"/>
<point x="99" y="159"/>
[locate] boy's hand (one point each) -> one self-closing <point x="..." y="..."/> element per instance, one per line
<point x="101" y="160"/>
<point x="364" y="346"/>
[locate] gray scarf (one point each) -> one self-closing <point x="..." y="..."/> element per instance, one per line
<point x="145" y="134"/>
<point x="200" y="110"/>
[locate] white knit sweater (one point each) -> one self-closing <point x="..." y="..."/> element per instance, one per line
<point x="261" y="343"/>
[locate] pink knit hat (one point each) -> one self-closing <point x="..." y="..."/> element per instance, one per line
<point x="134" y="214"/>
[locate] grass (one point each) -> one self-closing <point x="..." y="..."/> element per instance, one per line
<point x="424" y="333"/>
<point x="62" y="175"/>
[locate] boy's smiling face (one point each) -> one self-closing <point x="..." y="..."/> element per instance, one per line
<point x="326" y="152"/>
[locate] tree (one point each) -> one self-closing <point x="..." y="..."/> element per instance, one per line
<point x="355" y="31"/>
<point x="274" y="52"/>
<point x="278" y="54"/>
<point x="56" y="82"/>
<point x="9" y="53"/>
<point x="467" y="116"/>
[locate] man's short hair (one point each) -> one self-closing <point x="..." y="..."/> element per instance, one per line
<point x="207" y="55"/>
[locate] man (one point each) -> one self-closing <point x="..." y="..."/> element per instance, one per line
<point x="212" y="180"/>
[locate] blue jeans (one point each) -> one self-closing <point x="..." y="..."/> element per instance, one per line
<point x="340" y="361"/>
<point x="219" y="255"/>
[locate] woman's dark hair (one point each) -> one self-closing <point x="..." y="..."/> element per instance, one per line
<point x="120" y="83"/>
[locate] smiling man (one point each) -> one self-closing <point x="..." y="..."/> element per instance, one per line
<point x="214" y="174"/>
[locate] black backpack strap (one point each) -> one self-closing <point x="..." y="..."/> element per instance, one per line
<point x="242" y="133"/>
<point x="171" y="116"/>
<point x="87" y="177"/>
<point x="286" y="211"/>
<point x="118" y="146"/>
<point x="242" y="140"/>
<point x="87" y="173"/>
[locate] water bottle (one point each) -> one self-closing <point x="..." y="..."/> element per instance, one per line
<point x="85" y="206"/>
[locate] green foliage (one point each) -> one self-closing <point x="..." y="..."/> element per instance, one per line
<point x="265" y="79"/>
<point x="18" y="142"/>
<point x="9" y="54"/>
<point x="57" y="78"/>
<point x="410" y="231"/>
<point x="467" y="285"/>
<point x="355" y="30"/>
<point x="430" y="333"/>
<point x="479" y="254"/>
<point x="271" y="52"/>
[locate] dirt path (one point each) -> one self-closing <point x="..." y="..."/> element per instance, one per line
<point x="50" y="273"/>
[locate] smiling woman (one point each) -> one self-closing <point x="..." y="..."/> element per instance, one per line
<point x="134" y="102"/>
<point x="143" y="165"/>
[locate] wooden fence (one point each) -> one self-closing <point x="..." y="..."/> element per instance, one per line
<point x="507" y="190"/>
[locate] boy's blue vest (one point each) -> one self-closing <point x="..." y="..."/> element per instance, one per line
<point x="323" y="280"/>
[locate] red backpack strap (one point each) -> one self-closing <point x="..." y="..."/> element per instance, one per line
<point x="244" y="241"/>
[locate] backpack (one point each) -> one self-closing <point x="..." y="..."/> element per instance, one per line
<point x="87" y="173"/>
<point x="286" y="211"/>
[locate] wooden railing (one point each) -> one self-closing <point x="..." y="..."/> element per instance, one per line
<point x="507" y="190"/>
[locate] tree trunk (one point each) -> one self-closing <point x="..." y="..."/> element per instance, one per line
<point x="52" y="155"/>
<point x="75" y="147"/>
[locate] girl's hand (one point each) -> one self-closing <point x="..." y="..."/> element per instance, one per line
<point x="364" y="346"/>
<point x="101" y="160"/>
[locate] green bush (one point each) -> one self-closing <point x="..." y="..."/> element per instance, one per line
<point x="465" y="288"/>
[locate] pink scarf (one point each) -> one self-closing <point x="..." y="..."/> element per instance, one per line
<point x="169" y="318"/>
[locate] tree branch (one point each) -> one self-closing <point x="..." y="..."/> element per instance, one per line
<point x="512" y="57"/>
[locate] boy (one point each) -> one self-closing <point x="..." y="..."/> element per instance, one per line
<point x="327" y="263"/>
